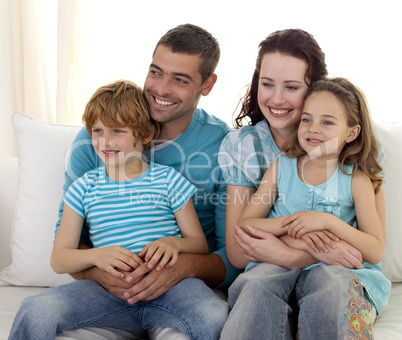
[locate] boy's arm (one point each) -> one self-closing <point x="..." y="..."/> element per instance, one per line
<point x="164" y="252"/>
<point x="193" y="239"/>
<point x="67" y="258"/>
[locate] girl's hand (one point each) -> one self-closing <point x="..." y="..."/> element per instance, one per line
<point x="303" y="222"/>
<point x="320" y="240"/>
<point x="164" y="250"/>
<point x="116" y="259"/>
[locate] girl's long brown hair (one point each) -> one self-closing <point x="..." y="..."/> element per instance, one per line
<point x="363" y="152"/>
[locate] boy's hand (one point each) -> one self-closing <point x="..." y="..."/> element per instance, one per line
<point x="164" y="251"/>
<point x="116" y="259"/>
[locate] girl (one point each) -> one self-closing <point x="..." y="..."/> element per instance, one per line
<point x="320" y="192"/>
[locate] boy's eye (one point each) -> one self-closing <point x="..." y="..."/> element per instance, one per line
<point x="96" y="130"/>
<point x="118" y="131"/>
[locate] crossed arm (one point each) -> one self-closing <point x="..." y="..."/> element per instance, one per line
<point x="258" y="244"/>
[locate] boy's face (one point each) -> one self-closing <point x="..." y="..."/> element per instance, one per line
<point x="116" y="146"/>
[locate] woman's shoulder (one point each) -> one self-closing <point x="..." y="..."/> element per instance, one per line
<point x="250" y="137"/>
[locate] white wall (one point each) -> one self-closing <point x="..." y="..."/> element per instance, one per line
<point x="361" y="40"/>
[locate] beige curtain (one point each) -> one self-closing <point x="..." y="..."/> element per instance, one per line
<point x="41" y="42"/>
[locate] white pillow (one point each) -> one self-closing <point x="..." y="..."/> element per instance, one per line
<point x="390" y="135"/>
<point x="41" y="154"/>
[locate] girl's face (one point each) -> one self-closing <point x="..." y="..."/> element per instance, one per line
<point x="323" y="128"/>
<point x="116" y="146"/>
<point x="281" y="90"/>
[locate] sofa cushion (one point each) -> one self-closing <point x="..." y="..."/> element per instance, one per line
<point x="42" y="153"/>
<point x="391" y="140"/>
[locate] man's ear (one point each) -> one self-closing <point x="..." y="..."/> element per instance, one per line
<point x="353" y="133"/>
<point x="209" y="84"/>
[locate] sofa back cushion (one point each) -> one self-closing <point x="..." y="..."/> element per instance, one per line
<point x="390" y="135"/>
<point x="42" y="152"/>
<point x="41" y="155"/>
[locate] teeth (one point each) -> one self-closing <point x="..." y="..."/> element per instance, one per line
<point x="279" y="112"/>
<point x="314" y="140"/>
<point x="163" y="102"/>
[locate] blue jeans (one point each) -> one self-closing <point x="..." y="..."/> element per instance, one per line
<point x="190" y="306"/>
<point x="326" y="302"/>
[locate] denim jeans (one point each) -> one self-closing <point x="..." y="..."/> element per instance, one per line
<point x="190" y="306"/>
<point x="326" y="302"/>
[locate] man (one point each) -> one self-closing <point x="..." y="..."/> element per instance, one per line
<point x="182" y="70"/>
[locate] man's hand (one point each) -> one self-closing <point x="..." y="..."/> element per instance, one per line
<point x="147" y="285"/>
<point x="115" y="286"/>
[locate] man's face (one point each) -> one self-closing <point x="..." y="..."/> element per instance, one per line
<point x="173" y="85"/>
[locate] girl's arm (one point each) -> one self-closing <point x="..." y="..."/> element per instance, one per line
<point x="66" y="258"/>
<point x="255" y="214"/>
<point x="369" y="238"/>
<point x="166" y="250"/>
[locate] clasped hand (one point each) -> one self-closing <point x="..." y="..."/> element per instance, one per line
<point x="116" y="259"/>
<point x="312" y="227"/>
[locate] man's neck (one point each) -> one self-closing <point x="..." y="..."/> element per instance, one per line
<point x="174" y="128"/>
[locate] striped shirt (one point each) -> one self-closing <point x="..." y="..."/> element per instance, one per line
<point x="130" y="214"/>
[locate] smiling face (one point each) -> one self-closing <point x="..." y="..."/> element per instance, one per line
<point x="116" y="146"/>
<point x="323" y="129"/>
<point x="173" y="88"/>
<point x="281" y="92"/>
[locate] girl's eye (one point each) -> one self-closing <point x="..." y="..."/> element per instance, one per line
<point x="305" y="120"/>
<point x="328" y="123"/>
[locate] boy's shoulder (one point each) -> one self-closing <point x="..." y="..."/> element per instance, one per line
<point x="92" y="176"/>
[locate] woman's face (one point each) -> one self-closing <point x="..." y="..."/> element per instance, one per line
<point x="281" y="90"/>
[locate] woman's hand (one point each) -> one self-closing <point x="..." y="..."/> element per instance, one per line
<point x="261" y="246"/>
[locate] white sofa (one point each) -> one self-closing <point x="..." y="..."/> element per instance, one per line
<point x="30" y="192"/>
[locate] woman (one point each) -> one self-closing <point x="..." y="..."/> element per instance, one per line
<point x="288" y="63"/>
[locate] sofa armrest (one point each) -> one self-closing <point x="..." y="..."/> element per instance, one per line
<point x="8" y="198"/>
